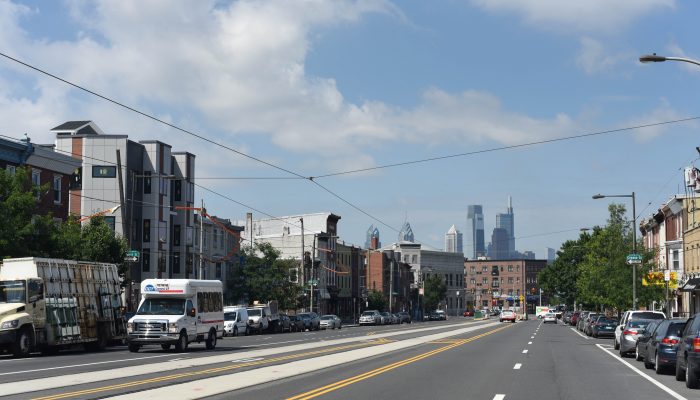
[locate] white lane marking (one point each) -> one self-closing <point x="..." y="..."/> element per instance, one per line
<point x="532" y="337"/>
<point x="525" y="351"/>
<point x="579" y="333"/>
<point x="85" y="365"/>
<point x="643" y="375"/>
<point x="499" y="397"/>
<point x="288" y="341"/>
<point x="529" y="342"/>
<point x="517" y="366"/>
<point x="246" y="360"/>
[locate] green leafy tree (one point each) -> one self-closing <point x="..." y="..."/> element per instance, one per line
<point x="264" y="276"/>
<point x="377" y="300"/>
<point x="435" y="291"/>
<point x="23" y="232"/>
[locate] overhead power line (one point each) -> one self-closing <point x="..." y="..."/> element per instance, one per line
<point x="515" y="146"/>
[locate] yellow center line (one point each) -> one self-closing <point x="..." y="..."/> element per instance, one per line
<point x="349" y="381"/>
<point x="206" y="371"/>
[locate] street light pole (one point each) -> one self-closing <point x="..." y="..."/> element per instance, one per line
<point x="649" y="58"/>
<point x="634" y="238"/>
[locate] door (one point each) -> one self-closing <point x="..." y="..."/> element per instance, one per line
<point x="36" y="304"/>
<point x="191" y="322"/>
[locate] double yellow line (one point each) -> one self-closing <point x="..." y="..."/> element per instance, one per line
<point x="208" y="371"/>
<point x="349" y="381"/>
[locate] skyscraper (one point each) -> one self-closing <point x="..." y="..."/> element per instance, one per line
<point x="453" y="241"/>
<point x="507" y="222"/>
<point x="372" y="239"/>
<point x="406" y="234"/>
<point x="475" y="246"/>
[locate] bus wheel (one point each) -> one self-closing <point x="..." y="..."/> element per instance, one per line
<point x="181" y="344"/>
<point x="211" y="340"/>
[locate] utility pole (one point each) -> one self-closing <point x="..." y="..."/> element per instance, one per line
<point x="311" y="280"/>
<point x="391" y="285"/>
<point x="201" y="241"/>
<point x="302" y="264"/>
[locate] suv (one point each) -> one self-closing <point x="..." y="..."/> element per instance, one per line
<point x="688" y="355"/>
<point x="630" y="315"/>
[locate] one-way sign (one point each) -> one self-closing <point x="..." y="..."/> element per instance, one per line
<point x="634" y="258"/>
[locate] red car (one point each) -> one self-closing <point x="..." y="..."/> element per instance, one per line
<point x="469" y="313"/>
<point x="574" y="318"/>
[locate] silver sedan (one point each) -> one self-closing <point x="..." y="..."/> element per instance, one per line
<point x="331" y="321"/>
<point x="630" y="333"/>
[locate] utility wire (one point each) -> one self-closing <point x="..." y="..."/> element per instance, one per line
<point x="149" y="116"/>
<point x="515" y="146"/>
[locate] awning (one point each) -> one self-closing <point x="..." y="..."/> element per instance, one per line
<point x="691" y="285"/>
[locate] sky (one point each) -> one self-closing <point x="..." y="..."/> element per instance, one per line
<point x="316" y="88"/>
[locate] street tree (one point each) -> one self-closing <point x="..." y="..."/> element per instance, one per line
<point x="377" y="300"/>
<point x="435" y="291"/>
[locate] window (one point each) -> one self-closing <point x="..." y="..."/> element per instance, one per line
<point x="215" y="238"/>
<point x="473" y="269"/>
<point x="414" y="258"/>
<point x="176" y="262"/>
<point x="146" y="230"/>
<point x="110" y="220"/>
<point x="218" y="270"/>
<point x="147" y="182"/>
<point x="405" y="258"/>
<point x="11" y="169"/>
<point x="177" y="233"/>
<point x="104" y="171"/>
<point x="57" y="190"/>
<point x="676" y="260"/>
<point x="472" y="281"/>
<point x="36" y="180"/>
<point x="485" y="280"/>
<point x="495" y="283"/>
<point x="146" y="259"/>
<point x="484" y="269"/>
<point x="510" y="279"/>
<point x="510" y="268"/>
<point x="177" y="190"/>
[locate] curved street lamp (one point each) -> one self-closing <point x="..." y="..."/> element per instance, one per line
<point x="648" y="58"/>
<point x="634" y="238"/>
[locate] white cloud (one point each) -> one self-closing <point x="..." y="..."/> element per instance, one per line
<point x="663" y="112"/>
<point x="594" y="57"/>
<point x="588" y="16"/>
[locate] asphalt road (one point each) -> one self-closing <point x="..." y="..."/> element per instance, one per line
<point x="455" y="359"/>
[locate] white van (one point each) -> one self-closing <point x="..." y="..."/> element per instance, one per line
<point x="177" y="312"/>
<point x="235" y="321"/>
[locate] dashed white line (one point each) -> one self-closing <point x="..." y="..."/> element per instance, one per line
<point x="529" y="342"/>
<point x="499" y="397"/>
<point x="525" y="351"/>
<point x="532" y="337"/>
<point x="517" y="366"/>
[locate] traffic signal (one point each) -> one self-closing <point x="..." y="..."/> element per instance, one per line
<point x="294" y="275"/>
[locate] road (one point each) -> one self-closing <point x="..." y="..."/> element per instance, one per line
<point x="454" y="359"/>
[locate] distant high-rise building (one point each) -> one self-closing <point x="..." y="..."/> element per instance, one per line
<point x="475" y="245"/>
<point x="550" y="254"/>
<point x="507" y="222"/>
<point x="453" y="241"/>
<point x="499" y="244"/>
<point x="406" y="234"/>
<point x="372" y="241"/>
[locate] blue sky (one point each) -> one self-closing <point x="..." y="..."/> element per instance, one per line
<point x="318" y="87"/>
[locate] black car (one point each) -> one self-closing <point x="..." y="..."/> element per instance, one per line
<point x="311" y="321"/>
<point x="659" y="350"/>
<point x="296" y="324"/>
<point x="688" y="356"/>
<point x="640" y="348"/>
<point x="285" y="324"/>
<point x="604" y="326"/>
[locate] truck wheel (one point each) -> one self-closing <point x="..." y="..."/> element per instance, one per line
<point x="134" y="348"/>
<point x="165" y="346"/>
<point x="181" y="344"/>
<point x="23" y="346"/>
<point x="210" y="343"/>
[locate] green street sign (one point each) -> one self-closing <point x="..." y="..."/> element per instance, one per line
<point x="133" y="253"/>
<point x="634" y="258"/>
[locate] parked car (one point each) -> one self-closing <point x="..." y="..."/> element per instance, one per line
<point x="285" y="325"/>
<point x="581" y="320"/>
<point x="508" y="315"/>
<point x="688" y="356"/>
<point x="604" y="326"/>
<point x="235" y="321"/>
<point x="549" y="317"/>
<point x="590" y="320"/>
<point x="258" y="319"/>
<point x="370" y="317"/>
<point x="567" y="317"/>
<point x="330" y="321"/>
<point x="574" y="318"/>
<point x="311" y="321"/>
<point x="634" y="314"/>
<point x="438" y="315"/>
<point x="659" y="350"/>
<point x="630" y="333"/>
<point x="296" y="324"/>
<point x="405" y="317"/>
<point x="640" y="349"/>
<point x="387" y="319"/>
<point x="468" y="313"/>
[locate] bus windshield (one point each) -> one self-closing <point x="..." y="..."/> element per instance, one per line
<point x="13" y="292"/>
<point x="162" y="306"/>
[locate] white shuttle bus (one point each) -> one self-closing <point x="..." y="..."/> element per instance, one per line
<point x="177" y="312"/>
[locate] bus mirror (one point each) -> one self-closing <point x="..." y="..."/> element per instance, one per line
<point x="192" y="312"/>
